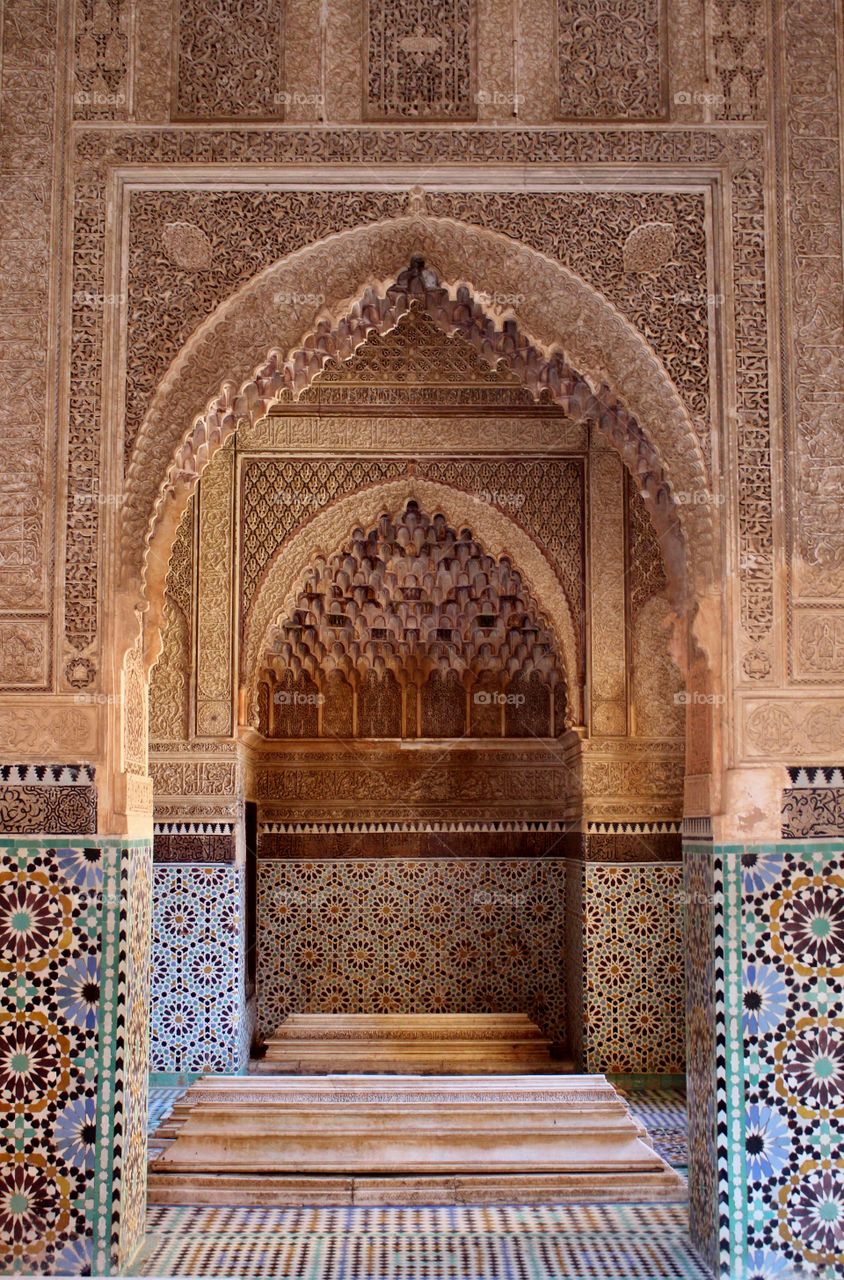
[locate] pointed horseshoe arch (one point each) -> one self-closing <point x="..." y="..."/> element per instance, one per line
<point x="556" y="310"/>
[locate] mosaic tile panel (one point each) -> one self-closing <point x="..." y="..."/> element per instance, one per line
<point x="412" y="937"/>
<point x="813" y="804"/>
<point x="198" y="1012"/>
<point x="71" y="1011"/>
<point x="193" y="842"/>
<point x="590" y="1242"/>
<point x="634" y="1011"/>
<point x="784" y="983"/>
<point x="49" y="799"/>
<point x="699" y="892"/>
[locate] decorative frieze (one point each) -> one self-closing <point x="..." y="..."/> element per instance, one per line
<point x="52" y="799"/>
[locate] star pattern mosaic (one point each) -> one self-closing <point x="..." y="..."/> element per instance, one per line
<point x="73" y="1059"/>
<point x="634" y="995"/>
<point x="589" y="1242"/>
<point x="437" y="935"/>
<point x="198" y="1003"/>
<point x="785" y="985"/>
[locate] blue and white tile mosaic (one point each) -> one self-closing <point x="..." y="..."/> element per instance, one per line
<point x="198" y="1009"/>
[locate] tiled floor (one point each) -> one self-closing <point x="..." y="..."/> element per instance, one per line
<point x="571" y="1242"/>
<point x="663" y="1113"/>
<point x="607" y="1242"/>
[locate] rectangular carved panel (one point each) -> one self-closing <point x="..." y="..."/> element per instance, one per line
<point x="214" y="613"/>
<point x="420" y="56"/>
<point x="227" y="60"/>
<point x="611" y="59"/>
<point x="609" y="631"/>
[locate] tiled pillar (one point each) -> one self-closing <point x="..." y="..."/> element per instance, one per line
<point x="766" y="1007"/>
<point x="74" y="957"/>
<point x="198" y="998"/>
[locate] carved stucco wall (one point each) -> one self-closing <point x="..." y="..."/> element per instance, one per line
<point x="779" y="274"/>
<point x="737" y="68"/>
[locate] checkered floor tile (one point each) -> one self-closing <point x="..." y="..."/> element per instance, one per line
<point x="663" y="1113"/>
<point x="162" y="1100"/>
<point x="581" y="1242"/>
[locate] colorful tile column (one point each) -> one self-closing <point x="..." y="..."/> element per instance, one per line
<point x="74" y="959"/>
<point x="198" y="1000"/>
<point x="773" y="1002"/>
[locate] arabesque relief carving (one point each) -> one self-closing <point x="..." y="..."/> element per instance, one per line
<point x="420" y="57"/>
<point x="249" y="85"/>
<point x="214" y="619"/>
<point x="611" y="60"/>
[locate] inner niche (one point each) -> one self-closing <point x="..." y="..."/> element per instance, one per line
<point x="412" y="629"/>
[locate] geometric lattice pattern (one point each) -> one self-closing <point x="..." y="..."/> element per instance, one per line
<point x="72" y="1053"/>
<point x="663" y="1113"/>
<point x="784" y="983"/>
<point x="198" y="1016"/>
<point x="703" y="953"/>
<point x="590" y="1242"/>
<point x="427" y="936"/>
<point x="633" y="969"/>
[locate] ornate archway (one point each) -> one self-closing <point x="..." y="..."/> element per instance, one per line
<point x="553" y="322"/>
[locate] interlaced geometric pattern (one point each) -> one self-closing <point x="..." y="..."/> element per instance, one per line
<point x="590" y="1242"/>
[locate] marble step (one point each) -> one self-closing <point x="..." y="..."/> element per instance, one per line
<point x="445" y="1043"/>
<point x="302" y="1191"/>
<point x="287" y="1131"/>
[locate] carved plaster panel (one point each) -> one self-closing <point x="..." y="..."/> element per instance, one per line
<point x="782" y="728"/>
<point x="30" y="79"/>
<point x="668" y="306"/>
<point x="214" y="618"/>
<point x="101" y="49"/>
<point x="420" y="59"/>
<point x="278" y="496"/>
<point x="421" y="434"/>
<point x="169" y="691"/>
<point x="227" y="61"/>
<point x="45" y="730"/>
<point x="607" y="594"/>
<point x="813" y="172"/>
<point x="819" y="645"/>
<point x="612" y="60"/>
